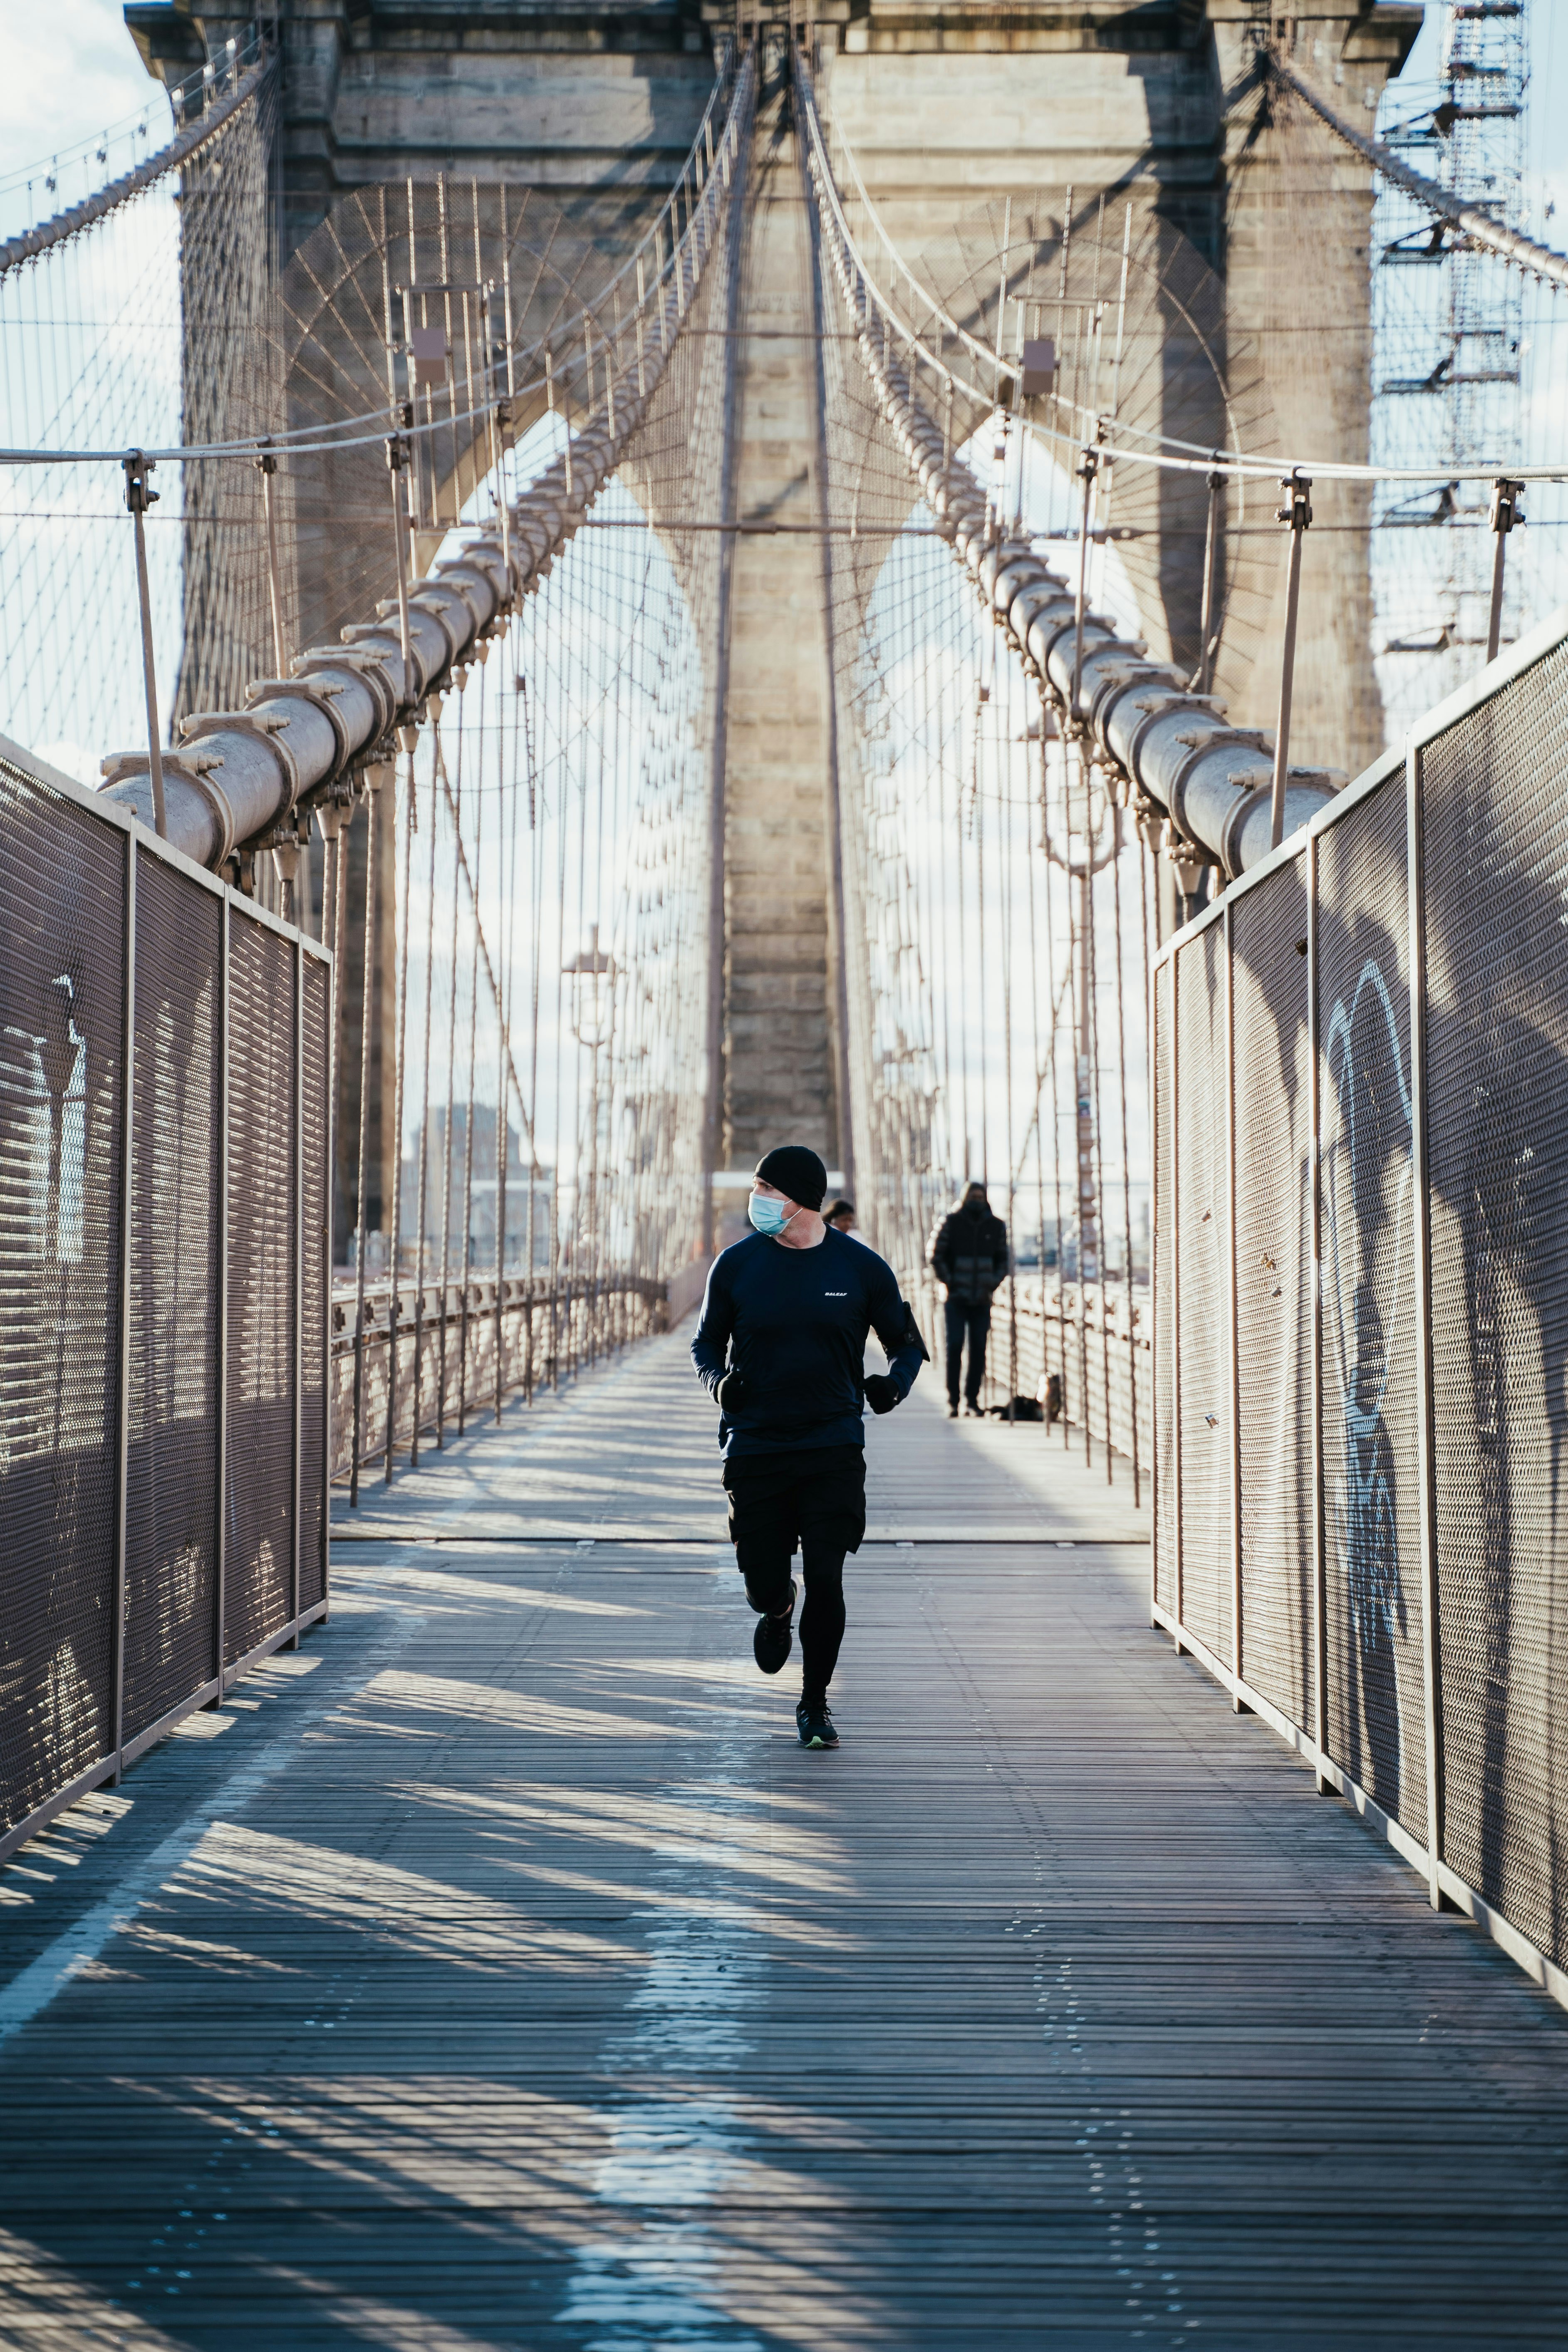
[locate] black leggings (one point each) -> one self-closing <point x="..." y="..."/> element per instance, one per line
<point x="816" y="1497"/>
<point x="973" y="1317"/>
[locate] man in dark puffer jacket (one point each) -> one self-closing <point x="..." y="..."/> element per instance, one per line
<point x="968" y="1256"/>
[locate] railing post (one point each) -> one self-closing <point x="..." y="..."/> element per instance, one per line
<point x="267" y="467"/>
<point x="1502" y="515"/>
<point x="1315" y="1212"/>
<point x="1298" y="514"/>
<point x="222" y="1416"/>
<point x="299" y="1244"/>
<point x="1232" y="1316"/>
<point x="1211" y="548"/>
<point x="1173" y="1101"/>
<point x="1158" y="1210"/>
<point x="139" y="497"/>
<point x="1425" y="1487"/>
<point x="122" y="1414"/>
<point x="328" y="1132"/>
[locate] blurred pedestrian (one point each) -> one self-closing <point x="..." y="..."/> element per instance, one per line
<point x="969" y="1257"/>
<point x="841" y="1217"/>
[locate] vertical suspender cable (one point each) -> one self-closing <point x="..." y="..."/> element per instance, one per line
<point x="373" y="796"/>
<point x="454" y="796"/>
<point x="392" y="1333"/>
<point x="1101" y="1254"/>
<point x="478" y="800"/>
<point x="423" y="1195"/>
<point x="1126" y="1162"/>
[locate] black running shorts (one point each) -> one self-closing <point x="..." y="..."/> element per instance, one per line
<point x="776" y="1500"/>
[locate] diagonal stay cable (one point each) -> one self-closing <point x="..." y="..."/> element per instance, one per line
<point x="523" y="1111"/>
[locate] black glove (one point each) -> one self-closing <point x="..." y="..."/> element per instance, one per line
<point x="881" y="1393"/>
<point x="730" y="1394"/>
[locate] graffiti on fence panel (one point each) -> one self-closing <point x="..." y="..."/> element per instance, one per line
<point x="1368" y="1265"/>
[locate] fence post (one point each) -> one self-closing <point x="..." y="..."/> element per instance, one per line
<point x="328" y="1132"/>
<point x="122" y="1414"/>
<point x="222" y="1119"/>
<point x="1502" y="514"/>
<point x="139" y="497"/>
<point x="1211" y="548"/>
<point x="299" y="1244"/>
<point x="1315" y="1215"/>
<point x="1298" y="514"/>
<point x="1172" y="1099"/>
<point x="1425" y="1487"/>
<point x="1158" y="1212"/>
<point x="1231" y="1309"/>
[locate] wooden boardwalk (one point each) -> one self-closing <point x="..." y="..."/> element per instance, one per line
<point x="497" y="1971"/>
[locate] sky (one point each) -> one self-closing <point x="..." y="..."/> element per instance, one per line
<point x="71" y="72"/>
<point x="71" y="67"/>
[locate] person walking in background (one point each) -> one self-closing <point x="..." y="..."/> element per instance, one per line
<point x="969" y="1257"/>
<point x="841" y="1217"/>
<point x="780" y="1346"/>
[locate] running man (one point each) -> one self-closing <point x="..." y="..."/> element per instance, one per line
<point x="782" y="1345"/>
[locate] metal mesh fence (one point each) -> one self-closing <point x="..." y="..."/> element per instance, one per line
<point x="1372" y="1516"/>
<point x="259" y="1532"/>
<point x="1273" y="1285"/>
<point x="1430" y="1160"/>
<point x="315" y="1252"/>
<point x="1205" y="1420"/>
<point x="1494" y="842"/>
<point x="62" y="993"/>
<point x="176" y="1230"/>
<point x="136" y="1550"/>
<point x="1164" y="1107"/>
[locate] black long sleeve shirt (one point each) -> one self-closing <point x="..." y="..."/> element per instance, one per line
<point x="794" y="1324"/>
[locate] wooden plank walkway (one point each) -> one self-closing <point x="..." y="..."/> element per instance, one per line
<point x="497" y="1971"/>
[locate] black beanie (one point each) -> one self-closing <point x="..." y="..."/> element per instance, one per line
<point x="795" y="1172"/>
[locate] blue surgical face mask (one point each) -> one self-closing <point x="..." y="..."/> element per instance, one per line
<point x="768" y="1216"/>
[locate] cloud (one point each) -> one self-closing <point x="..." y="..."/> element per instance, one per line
<point x="71" y="69"/>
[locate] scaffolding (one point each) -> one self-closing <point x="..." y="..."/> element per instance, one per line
<point x="1448" y="335"/>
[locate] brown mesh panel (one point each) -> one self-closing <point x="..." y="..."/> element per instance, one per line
<point x="1373" y="1538"/>
<point x="1273" y="1285"/>
<point x="1206" y="1417"/>
<point x="314" y="1055"/>
<point x="1494" y="855"/>
<point x="62" y="922"/>
<point x="171" y="1552"/>
<point x="1165" y="1317"/>
<point x="260" y="1523"/>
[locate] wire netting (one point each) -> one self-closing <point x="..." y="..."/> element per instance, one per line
<point x="143" y="331"/>
<point x="994" y="922"/>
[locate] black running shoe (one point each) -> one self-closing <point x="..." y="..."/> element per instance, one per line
<point x="770" y="1642"/>
<point x="815" y="1724"/>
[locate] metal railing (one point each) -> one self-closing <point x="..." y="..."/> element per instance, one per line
<point x="1362" y="1296"/>
<point x="1079" y="1352"/>
<point x="164" y="1051"/>
<point x="463" y="1351"/>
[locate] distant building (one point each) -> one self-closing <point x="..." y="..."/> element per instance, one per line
<point x="445" y="1198"/>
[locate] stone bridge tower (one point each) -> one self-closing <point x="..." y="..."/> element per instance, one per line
<point x="946" y="103"/>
